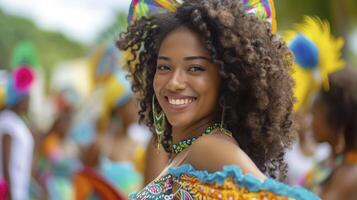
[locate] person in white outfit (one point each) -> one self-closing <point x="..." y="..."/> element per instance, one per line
<point x="17" y="143"/>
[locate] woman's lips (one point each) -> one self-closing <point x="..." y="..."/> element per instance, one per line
<point x="179" y="103"/>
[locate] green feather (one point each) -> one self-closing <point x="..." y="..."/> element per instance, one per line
<point x="25" y="53"/>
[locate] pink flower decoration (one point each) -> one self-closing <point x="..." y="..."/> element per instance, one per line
<point x="3" y="189"/>
<point x="23" y="77"/>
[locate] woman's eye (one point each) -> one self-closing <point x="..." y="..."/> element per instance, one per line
<point x="163" y="68"/>
<point x="196" y="69"/>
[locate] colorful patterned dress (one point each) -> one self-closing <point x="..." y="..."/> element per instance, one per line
<point x="320" y="174"/>
<point x="56" y="166"/>
<point x="185" y="183"/>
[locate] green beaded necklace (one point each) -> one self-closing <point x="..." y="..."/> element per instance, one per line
<point x="183" y="144"/>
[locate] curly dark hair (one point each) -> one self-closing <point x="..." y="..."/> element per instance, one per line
<point x="340" y="101"/>
<point x="256" y="87"/>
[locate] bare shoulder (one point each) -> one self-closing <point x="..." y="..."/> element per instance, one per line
<point x="343" y="184"/>
<point x="348" y="178"/>
<point x="347" y="175"/>
<point x="212" y="152"/>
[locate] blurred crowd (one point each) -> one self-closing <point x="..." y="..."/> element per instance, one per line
<point x="89" y="148"/>
<point x="61" y="144"/>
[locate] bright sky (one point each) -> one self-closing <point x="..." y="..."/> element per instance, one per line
<point x="81" y="20"/>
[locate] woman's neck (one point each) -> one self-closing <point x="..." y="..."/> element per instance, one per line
<point x="192" y="130"/>
<point x="120" y="134"/>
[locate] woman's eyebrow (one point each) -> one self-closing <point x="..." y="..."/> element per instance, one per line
<point x="188" y="58"/>
<point x="163" y="58"/>
<point x="197" y="57"/>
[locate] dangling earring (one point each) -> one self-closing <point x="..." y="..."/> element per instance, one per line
<point x="159" y="122"/>
<point x="223" y="130"/>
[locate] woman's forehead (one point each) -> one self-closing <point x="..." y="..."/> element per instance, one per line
<point x="183" y="41"/>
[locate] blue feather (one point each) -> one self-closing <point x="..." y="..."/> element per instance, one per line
<point x="305" y="52"/>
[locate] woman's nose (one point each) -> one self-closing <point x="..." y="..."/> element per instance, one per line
<point x="177" y="81"/>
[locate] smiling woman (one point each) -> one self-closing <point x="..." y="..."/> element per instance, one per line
<point x="186" y="82"/>
<point x="214" y="85"/>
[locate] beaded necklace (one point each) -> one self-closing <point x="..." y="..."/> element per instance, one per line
<point x="183" y="144"/>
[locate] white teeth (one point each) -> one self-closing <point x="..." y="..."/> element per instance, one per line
<point x="180" y="101"/>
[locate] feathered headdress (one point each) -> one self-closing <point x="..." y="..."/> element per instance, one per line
<point x="25" y="54"/>
<point x="103" y="62"/>
<point x="317" y="54"/>
<point x="117" y="89"/>
<point x="19" y="84"/>
<point x="116" y="93"/>
<point x="264" y="9"/>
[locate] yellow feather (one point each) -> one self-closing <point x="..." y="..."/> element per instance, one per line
<point x="93" y="63"/>
<point x="112" y="92"/>
<point x="330" y="58"/>
<point x="303" y="89"/>
<point x="2" y="97"/>
<point x="170" y="6"/>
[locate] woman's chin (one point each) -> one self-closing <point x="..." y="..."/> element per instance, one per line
<point x="178" y="121"/>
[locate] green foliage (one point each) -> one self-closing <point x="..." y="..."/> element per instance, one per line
<point x="112" y="32"/>
<point x="292" y="11"/>
<point x="51" y="47"/>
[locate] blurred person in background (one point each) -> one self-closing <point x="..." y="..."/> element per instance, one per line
<point x="305" y="152"/>
<point x="104" y="60"/>
<point x="122" y="157"/>
<point x="16" y="140"/>
<point x="335" y="122"/>
<point x="117" y="151"/>
<point x="58" y="156"/>
<point x="317" y="53"/>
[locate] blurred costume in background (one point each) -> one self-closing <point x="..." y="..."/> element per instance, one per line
<point x="91" y="185"/>
<point x="17" y="143"/>
<point x="58" y="158"/>
<point x="116" y="165"/>
<point x="317" y="54"/>
<point x="102" y="61"/>
<point x="3" y="87"/>
<point x="115" y="155"/>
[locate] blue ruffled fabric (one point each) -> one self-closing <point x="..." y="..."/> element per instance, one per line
<point x="132" y="195"/>
<point x="245" y="180"/>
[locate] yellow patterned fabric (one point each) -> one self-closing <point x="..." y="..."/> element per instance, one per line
<point x="228" y="190"/>
<point x="186" y="183"/>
